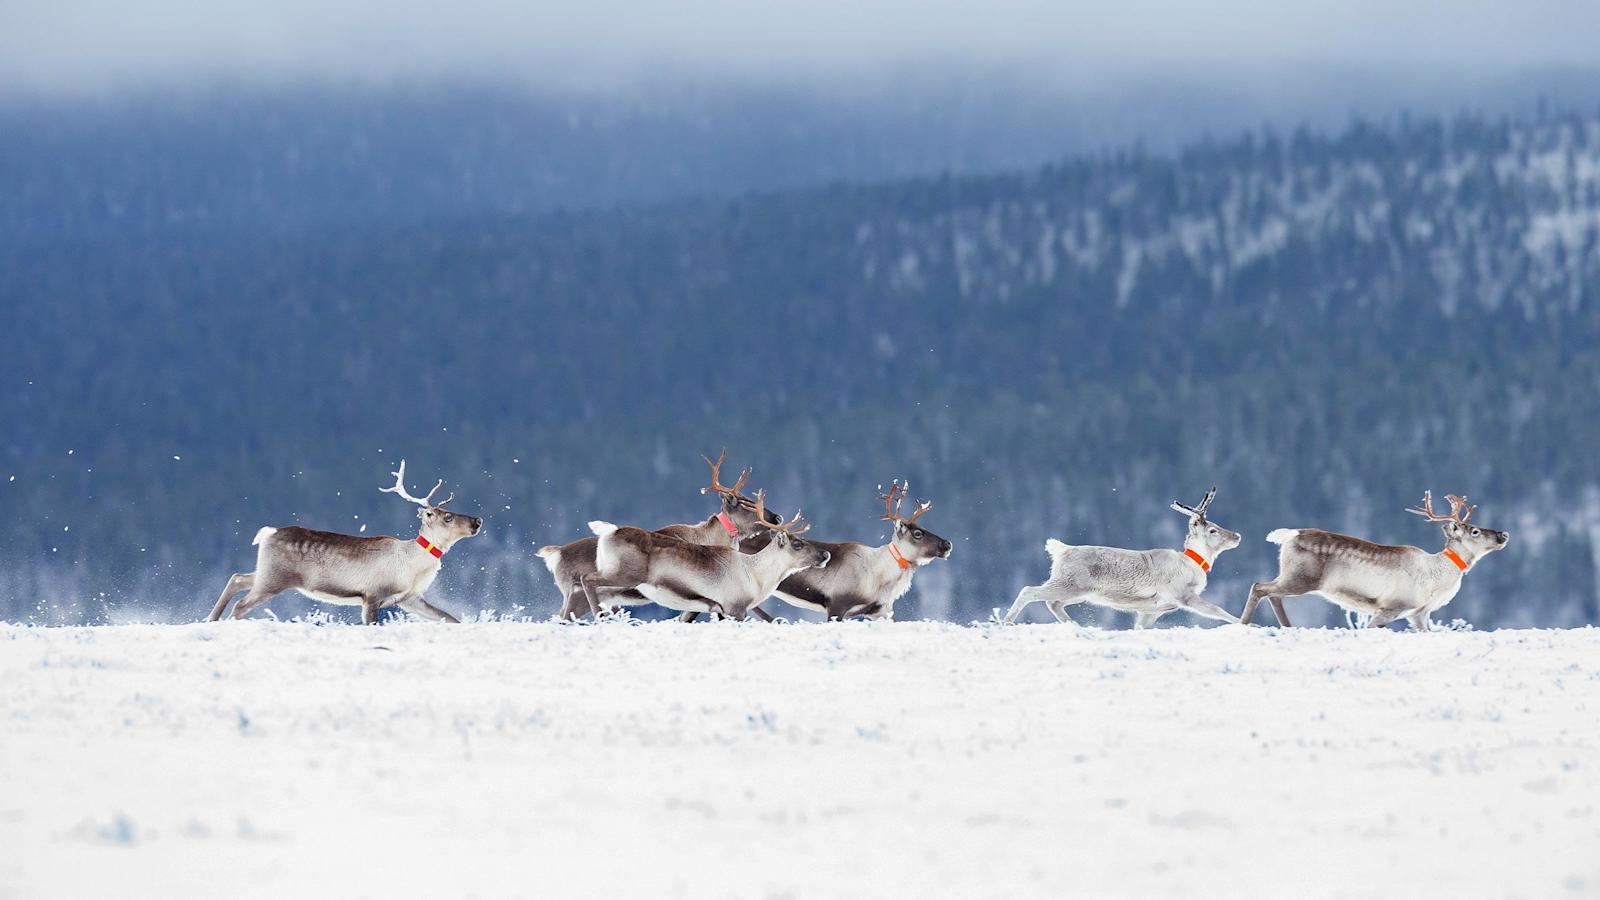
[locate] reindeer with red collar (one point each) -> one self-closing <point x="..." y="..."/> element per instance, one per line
<point x="866" y="581"/>
<point x="369" y="572"/>
<point x="733" y="523"/>
<point x="1148" y="583"/>
<point x="1377" y="580"/>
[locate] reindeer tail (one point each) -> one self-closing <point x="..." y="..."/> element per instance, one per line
<point x="1054" y="547"/>
<point x="1282" y="535"/>
<point x="601" y="529"/>
<point x="262" y="535"/>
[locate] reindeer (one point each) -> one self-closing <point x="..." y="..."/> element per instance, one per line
<point x="1377" y="580"/>
<point x="1148" y="583"/>
<point x="866" y="581"/>
<point x="733" y="523"/>
<point x="685" y="576"/>
<point x="369" y="572"/>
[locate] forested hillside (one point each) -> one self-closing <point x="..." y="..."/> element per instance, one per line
<point x="1324" y="326"/>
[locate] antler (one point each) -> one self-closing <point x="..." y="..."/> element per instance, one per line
<point x="1198" y="512"/>
<point x="893" y="499"/>
<point x="1456" y="504"/>
<point x="716" y="474"/>
<point x="922" y="507"/>
<point x="897" y="496"/>
<point x="788" y="528"/>
<point x="400" y="488"/>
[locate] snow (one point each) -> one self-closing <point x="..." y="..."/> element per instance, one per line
<point x="718" y="759"/>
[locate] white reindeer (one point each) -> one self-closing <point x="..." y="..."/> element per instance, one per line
<point x="1148" y="583"/>
<point x="1378" y="580"/>
<point x="369" y="572"/>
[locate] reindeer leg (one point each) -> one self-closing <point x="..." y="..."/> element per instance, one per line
<point x="369" y="610"/>
<point x="1146" y="620"/>
<point x="419" y="605"/>
<point x="1419" y="621"/>
<point x="1278" y="610"/>
<point x="688" y="615"/>
<point x="765" y="616"/>
<point x="255" y="598"/>
<point x="1206" y="608"/>
<point x="1382" y="618"/>
<point x="1027" y="595"/>
<point x="243" y="581"/>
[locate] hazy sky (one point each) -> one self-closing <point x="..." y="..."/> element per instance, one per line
<point x="98" y="44"/>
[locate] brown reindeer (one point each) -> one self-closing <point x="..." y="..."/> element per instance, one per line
<point x="369" y="572"/>
<point x="733" y="522"/>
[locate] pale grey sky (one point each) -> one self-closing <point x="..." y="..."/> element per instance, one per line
<point x="99" y="44"/>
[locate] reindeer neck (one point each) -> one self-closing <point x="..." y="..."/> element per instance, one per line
<point x="769" y="564"/>
<point x="1461" y="559"/>
<point x="1199" y="555"/>
<point x="444" y="543"/>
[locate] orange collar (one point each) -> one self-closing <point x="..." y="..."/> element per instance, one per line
<point x="1198" y="559"/>
<point x="430" y="546"/>
<point x="1455" y="558"/>
<point x="727" y="523"/>
<point x="898" y="557"/>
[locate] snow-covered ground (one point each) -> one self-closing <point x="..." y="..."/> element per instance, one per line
<point x="751" y="760"/>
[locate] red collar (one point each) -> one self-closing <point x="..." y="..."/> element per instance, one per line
<point x="430" y="546"/>
<point x="727" y="523"/>
<point x="898" y="557"/>
<point x="1455" y="558"/>
<point x="1198" y="559"/>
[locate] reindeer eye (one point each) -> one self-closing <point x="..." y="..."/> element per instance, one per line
<point x="917" y="534"/>
<point x="1476" y="532"/>
<point x="1213" y="531"/>
<point x="449" y="518"/>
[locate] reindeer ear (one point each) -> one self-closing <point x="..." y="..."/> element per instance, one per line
<point x="422" y="513"/>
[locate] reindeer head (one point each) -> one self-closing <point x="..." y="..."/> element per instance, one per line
<point x="440" y="525"/>
<point x="1205" y="536"/>
<point x="786" y="540"/>
<point x="739" y="509"/>
<point x="1458" y="534"/>
<point x="914" y="542"/>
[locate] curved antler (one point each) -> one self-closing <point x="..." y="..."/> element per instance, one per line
<point x="922" y="507"/>
<point x="716" y="475"/>
<point x="893" y="499"/>
<point x="789" y="528"/>
<point x="400" y="489"/>
<point x="1455" y="515"/>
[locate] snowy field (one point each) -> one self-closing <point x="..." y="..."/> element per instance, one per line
<point x="751" y="760"/>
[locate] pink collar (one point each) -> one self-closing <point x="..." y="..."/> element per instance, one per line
<point x="728" y="524"/>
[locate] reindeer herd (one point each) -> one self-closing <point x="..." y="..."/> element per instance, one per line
<point x="743" y="554"/>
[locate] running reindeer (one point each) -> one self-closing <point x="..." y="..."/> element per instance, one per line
<point x="866" y="581"/>
<point x="1377" y="580"/>
<point x="685" y="576"/>
<point x="1148" y="583"/>
<point x="728" y="527"/>
<point x="370" y="572"/>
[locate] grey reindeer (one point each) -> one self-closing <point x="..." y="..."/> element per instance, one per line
<point x="1377" y="580"/>
<point x="369" y="572"/>
<point x="1148" y="583"/>
<point x="732" y="524"/>
<point x="686" y="576"/>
